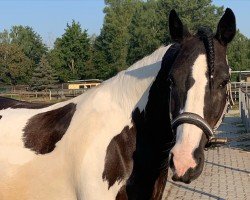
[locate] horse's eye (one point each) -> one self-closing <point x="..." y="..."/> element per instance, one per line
<point x="224" y="83"/>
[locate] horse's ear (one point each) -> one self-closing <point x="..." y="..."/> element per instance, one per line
<point x="226" y="28"/>
<point x="177" y="31"/>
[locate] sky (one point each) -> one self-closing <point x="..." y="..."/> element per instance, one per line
<point x="49" y="17"/>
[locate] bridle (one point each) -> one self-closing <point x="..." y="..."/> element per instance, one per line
<point x="195" y="119"/>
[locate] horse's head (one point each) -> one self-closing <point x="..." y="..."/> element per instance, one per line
<point x="199" y="77"/>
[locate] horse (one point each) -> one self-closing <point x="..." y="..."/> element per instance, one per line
<point x="117" y="141"/>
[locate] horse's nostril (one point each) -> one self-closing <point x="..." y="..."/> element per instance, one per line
<point x="198" y="156"/>
<point x="199" y="160"/>
<point x="175" y="178"/>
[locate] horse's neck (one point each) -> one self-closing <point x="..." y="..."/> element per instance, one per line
<point x="153" y="137"/>
<point x="130" y="88"/>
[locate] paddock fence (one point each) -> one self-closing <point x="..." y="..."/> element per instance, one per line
<point x="21" y="93"/>
<point x="55" y="94"/>
<point x="236" y="86"/>
<point x="244" y="105"/>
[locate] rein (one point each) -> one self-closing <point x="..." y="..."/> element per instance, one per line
<point x="192" y="118"/>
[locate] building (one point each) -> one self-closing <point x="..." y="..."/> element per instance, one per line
<point x="245" y="76"/>
<point x="82" y="84"/>
<point x="241" y="76"/>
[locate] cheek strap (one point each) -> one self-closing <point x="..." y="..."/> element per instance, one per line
<point x="229" y="103"/>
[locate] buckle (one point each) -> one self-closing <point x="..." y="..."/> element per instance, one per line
<point x="215" y="142"/>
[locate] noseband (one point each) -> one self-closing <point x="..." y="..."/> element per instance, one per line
<point x="192" y="118"/>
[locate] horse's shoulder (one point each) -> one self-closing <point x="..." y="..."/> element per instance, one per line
<point x="12" y="103"/>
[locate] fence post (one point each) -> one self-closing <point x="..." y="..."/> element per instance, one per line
<point x="247" y="113"/>
<point x="49" y="94"/>
<point x="240" y="101"/>
<point x="235" y="96"/>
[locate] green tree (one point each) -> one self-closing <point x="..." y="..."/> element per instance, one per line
<point x="239" y="53"/>
<point x="71" y="52"/>
<point x="145" y="33"/>
<point x="149" y="27"/>
<point x="29" y="41"/>
<point x="14" y="64"/>
<point x="111" y="47"/>
<point x="5" y="37"/>
<point x="43" y="77"/>
<point x="193" y="13"/>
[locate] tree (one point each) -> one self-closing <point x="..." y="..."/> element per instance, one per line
<point x="71" y="52"/>
<point x="194" y="13"/>
<point x="14" y="64"/>
<point x="111" y="47"/>
<point x="29" y="41"/>
<point x="145" y="33"/>
<point x="5" y="37"/>
<point x="21" y="50"/>
<point x="43" y="77"/>
<point x="239" y="53"/>
<point x="149" y="26"/>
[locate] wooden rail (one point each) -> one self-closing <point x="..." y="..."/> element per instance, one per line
<point x="244" y="107"/>
<point x="55" y="94"/>
<point x="245" y="86"/>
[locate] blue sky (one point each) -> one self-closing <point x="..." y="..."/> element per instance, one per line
<point x="49" y="17"/>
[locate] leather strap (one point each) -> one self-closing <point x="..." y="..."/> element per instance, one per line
<point x="192" y="118"/>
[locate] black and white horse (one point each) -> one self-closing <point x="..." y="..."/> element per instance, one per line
<point x="116" y="141"/>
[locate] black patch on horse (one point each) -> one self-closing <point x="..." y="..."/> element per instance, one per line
<point x="122" y="194"/>
<point x="44" y="130"/>
<point x="119" y="154"/>
<point x="1" y="116"/>
<point x="12" y="103"/>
